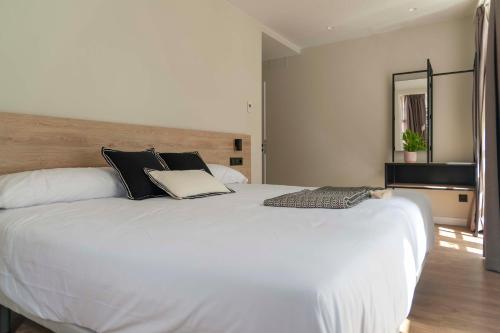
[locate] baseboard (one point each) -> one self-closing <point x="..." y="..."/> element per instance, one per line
<point x="450" y="221"/>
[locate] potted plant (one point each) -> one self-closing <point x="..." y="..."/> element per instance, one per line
<point x="412" y="143"/>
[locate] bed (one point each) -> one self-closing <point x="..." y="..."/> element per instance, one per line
<point x="219" y="264"/>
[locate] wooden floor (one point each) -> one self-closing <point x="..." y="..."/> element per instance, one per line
<point x="30" y="327"/>
<point x="455" y="294"/>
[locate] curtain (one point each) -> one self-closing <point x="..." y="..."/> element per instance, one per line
<point x="481" y="35"/>
<point x="491" y="142"/>
<point x="415" y="113"/>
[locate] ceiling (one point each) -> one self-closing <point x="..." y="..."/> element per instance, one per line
<point x="305" y="22"/>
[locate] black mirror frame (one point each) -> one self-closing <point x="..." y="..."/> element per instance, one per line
<point x="430" y="109"/>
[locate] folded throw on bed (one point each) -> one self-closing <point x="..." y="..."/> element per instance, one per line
<point x="323" y="197"/>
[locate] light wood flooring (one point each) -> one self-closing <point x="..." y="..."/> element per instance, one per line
<point x="455" y="294"/>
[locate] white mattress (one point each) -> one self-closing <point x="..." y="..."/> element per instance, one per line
<point x="223" y="264"/>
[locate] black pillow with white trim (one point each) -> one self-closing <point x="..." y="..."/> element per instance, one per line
<point x="184" y="161"/>
<point x="130" y="166"/>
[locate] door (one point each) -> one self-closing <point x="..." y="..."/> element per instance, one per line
<point x="264" y="134"/>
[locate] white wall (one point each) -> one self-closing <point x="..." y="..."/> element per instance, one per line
<point x="329" y="109"/>
<point x="176" y="63"/>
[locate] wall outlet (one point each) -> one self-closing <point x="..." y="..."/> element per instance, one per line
<point x="249" y="107"/>
<point x="236" y="161"/>
<point x="463" y="198"/>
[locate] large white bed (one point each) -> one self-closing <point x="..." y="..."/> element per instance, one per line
<point x="220" y="264"/>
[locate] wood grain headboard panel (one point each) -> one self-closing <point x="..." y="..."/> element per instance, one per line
<point x="29" y="142"/>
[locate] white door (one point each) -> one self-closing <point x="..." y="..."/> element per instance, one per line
<point x="264" y="134"/>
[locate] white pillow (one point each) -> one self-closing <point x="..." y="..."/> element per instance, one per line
<point x="186" y="184"/>
<point x="41" y="187"/>
<point x="227" y="175"/>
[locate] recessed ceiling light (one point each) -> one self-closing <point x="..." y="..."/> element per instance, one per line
<point x="330" y="28"/>
<point x="412" y="9"/>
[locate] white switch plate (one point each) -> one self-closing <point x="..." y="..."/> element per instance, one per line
<point x="249" y="107"/>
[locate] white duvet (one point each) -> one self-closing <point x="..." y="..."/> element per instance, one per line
<point x="223" y="264"/>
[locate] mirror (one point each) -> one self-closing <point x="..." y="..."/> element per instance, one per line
<point x="410" y="107"/>
<point x="438" y="107"/>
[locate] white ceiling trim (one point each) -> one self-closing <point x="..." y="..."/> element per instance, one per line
<point x="271" y="33"/>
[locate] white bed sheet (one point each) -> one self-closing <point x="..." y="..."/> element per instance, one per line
<point x="221" y="264"/>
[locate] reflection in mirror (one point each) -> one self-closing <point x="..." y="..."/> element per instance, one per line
<point x="410" y="106"/>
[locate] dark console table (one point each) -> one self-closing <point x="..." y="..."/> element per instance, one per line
<point x="438" y="176"/>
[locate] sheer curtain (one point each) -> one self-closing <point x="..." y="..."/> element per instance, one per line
<point x="481" y="23"/>
<point x="490" y="117"/>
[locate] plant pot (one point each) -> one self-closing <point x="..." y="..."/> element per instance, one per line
<point x="410" y="156"/>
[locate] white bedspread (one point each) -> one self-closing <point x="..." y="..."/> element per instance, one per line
<point x="223" y="264"/>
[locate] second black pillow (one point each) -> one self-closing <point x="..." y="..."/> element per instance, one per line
<point x="184" y="161"/>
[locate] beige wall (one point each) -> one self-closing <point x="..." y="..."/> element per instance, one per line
<point x="446" y="209"/>
<point x="329" y="109"/>
<point x="453" y="118"/>
<point x="177" y="63"/>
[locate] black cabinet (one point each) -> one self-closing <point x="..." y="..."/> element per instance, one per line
<point x="440" y="176"/>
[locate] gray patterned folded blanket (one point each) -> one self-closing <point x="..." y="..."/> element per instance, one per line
<point x="323" y="197"/>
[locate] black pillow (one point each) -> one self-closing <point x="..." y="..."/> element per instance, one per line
<point x="184" y="161"/>
<point x="130" y="166"/>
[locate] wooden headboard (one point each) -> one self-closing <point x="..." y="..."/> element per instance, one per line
<point x="29" y="142"/>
